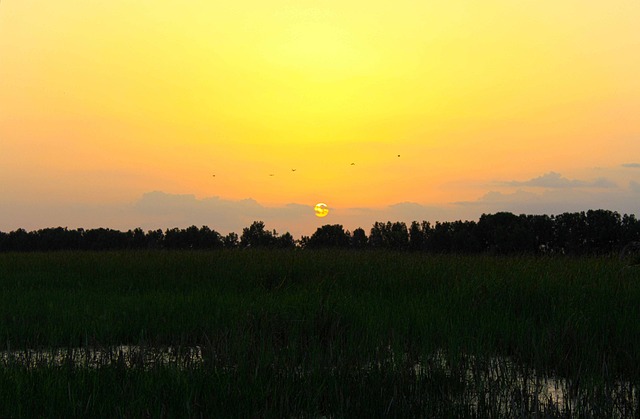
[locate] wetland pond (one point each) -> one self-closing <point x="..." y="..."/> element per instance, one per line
<point x="480" y="384"/>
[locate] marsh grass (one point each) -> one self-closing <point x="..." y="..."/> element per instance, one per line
<point x="322" y="333"/>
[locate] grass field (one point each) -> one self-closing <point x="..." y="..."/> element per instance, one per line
<point x="319" y="333"/>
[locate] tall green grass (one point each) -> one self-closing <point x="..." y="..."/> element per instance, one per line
<point x="334" y="333"/>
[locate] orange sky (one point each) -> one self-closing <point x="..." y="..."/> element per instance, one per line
<point x="104" y="102"/>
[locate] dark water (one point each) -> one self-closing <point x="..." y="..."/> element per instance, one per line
<point x="495" y="385"/>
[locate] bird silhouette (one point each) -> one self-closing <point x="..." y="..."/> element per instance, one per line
<point x="293" y="170"/>
<point x="353" y="164"/>
<point x="270" y="174"/>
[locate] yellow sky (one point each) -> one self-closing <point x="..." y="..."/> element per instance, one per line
<point x="101" y="102"/>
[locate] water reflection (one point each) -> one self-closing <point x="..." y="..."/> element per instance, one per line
<point x="480" y="386"/>
<point x="128" y="356"/>
<point x="500" y="386"/>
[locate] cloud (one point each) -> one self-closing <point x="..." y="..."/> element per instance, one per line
<point x="352" y="218"/>
<point x="160" y="210"/>
<point x="494" y="198"/>
<point x="557" y="181"/>
<point x="633" y="165"/>
<point x="555" y="201"/>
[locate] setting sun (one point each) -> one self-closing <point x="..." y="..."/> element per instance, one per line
<point x="321" y="210"/>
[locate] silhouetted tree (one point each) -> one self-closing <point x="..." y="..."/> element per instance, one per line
<point x="256" y="236"/>
<point x="630" y="229"/>
<point x="104" y="239"/>
<point x="399" y="236"/>
<point x="209" y="239"/>
<point x="359" y="239"/>
<point x="376" y="235"/>
<point x="439" y="239"/>
<point x="137" y="238"/>
<point x="504" y="232"/>
<point x="155" y="239"/>
<point x="174" y="239"/>
<point x="464" y="238"/>
<point x="603" y="231"/>
<point x="329" y="236"/>
<point x="542" y="228"/>
<point x="417" y="239"/>
<point x="303" y="242"/>
<point x="190" y="238"/>
<point x="389" y="236"/>
<point x="19" y="240"/>
<point x="570" y="232"/>
<point x="286" y="241"/>
<point x="593" y="232"/>
<point x="427" y="231"/>
<point x="55" y="239"/>
<point x="231" y="241"/>
<point x="4" y="242"/>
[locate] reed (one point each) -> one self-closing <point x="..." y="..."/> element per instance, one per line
<point x="321" y="333"/>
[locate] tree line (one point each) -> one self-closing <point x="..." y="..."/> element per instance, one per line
<point x="578" y="233"/>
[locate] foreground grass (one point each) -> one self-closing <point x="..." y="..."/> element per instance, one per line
<point x="311" y="333"/>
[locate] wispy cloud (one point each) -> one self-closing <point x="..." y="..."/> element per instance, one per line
<point x="556" y="201"/>
<point x="164" y="209"/>
<point x="160" y="210"/>
<point x="632" y="165"/>
<point x="495" y="198"/>
<point x="557" y="181"/>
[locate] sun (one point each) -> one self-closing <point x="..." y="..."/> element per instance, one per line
<point x="321" y="210"/>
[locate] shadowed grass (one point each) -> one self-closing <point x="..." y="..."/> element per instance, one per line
<point x="288" y="333"/>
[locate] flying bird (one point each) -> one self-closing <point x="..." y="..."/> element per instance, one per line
<point x="270" y="174"/>
<point x="353" y="164"/>
<point x="293" y="170"/>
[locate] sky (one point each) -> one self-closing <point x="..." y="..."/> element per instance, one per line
<point x="162" y="114"/>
